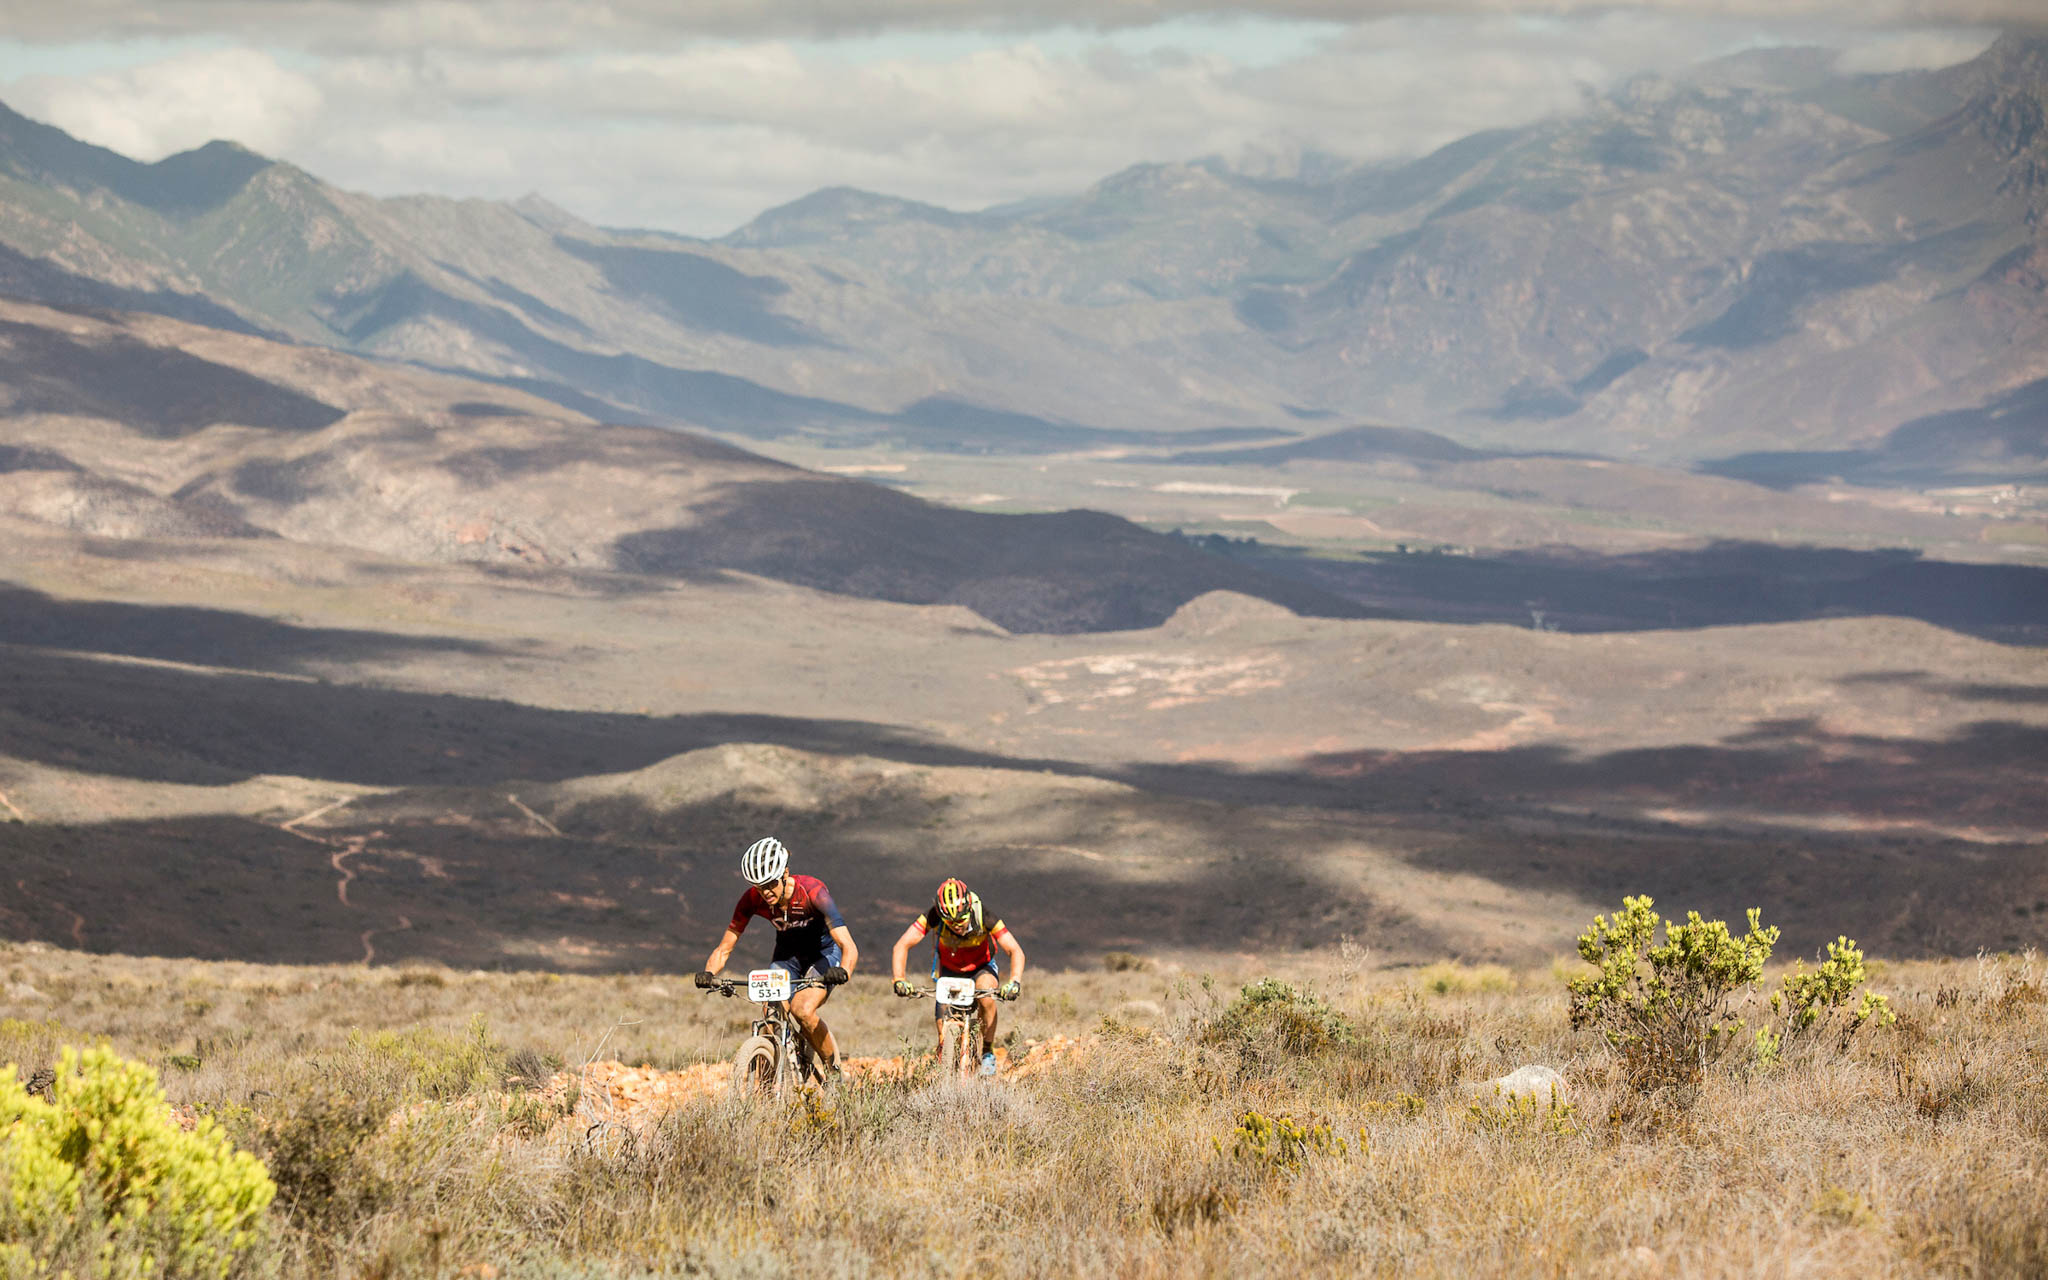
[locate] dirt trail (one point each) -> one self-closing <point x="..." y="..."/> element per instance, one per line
<point x="77" y="920"/>
<point x="369" y="949"/>
<point x="550" y="827"/>
<point x="346" y="874"/>
<point x="637" y="1098"/>
<point x="346" y="847"/>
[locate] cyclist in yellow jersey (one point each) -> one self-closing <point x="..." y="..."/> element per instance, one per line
<point x="964" y="946"/>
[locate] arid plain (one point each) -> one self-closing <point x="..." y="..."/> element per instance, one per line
<point x="495" y="687"/>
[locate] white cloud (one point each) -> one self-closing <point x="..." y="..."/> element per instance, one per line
<point x="540" y="25"/>
<point x="701" y="134"/>
<point x="177" y="103"/>
<point x="1910" y="51"/>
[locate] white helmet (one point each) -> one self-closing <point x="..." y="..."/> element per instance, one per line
<point x="764" y="861"/>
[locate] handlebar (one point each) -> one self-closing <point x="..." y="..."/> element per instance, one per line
<point x="925" y="993"/>
<point x="726" y="986"/>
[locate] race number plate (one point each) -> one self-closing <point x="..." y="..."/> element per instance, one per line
<point x="958" y="992"/>
<point x="765" y="986"/>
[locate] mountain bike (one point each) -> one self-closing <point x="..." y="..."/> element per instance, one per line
<point x="776" y="1056"/>
<point x="960" y="1047"/>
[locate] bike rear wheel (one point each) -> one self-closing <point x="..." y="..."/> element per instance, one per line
<point x="753" y="1068"/>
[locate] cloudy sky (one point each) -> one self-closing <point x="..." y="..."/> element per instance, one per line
<point x="694" y="115"/>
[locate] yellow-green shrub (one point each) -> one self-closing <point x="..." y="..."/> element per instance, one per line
<point x="107" y="1141"/>
<point x="1664" y="1007"/>
<point x="1522" y="1115"/>
<point x="1814" y="1002"/>
<point x="1281" y="1143"/>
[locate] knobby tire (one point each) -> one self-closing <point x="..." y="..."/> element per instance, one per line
<point x="952" y="1050"/>
<point x="753" y="1068"/>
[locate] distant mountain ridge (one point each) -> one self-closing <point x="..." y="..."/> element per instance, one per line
<point x="1760" y="255"/>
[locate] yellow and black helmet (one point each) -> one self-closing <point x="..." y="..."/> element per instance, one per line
<point x="956" y="906"/>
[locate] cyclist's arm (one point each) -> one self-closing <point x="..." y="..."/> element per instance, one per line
<point x="849" y="955"/>
<point x="1008" y="942"/>
<point x="899" y="957"/>
<point x="716" y="964"/>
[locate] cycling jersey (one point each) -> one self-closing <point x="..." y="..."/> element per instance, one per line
<point x="803" y="925"/>
<point x="957" y="954"/>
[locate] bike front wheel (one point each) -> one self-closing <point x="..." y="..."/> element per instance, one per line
<point x="952" y="1049"/>
<point x="753" y="1068"/>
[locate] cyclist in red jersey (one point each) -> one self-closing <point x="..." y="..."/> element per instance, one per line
<point x="810" y="937"/>
<point x="963" y="946"/>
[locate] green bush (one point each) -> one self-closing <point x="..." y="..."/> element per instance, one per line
<point x="106" y="1152"/>
<point x="1302" y="1023"/>
<point x="1812" y="1005"/>
<point x="1665" y="1007"/>
<point x="420" y="1062"/>
<point x="314" y="1152"/>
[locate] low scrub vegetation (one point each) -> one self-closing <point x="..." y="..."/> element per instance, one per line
<point x="1306" y="1121"/>
<point x="99" y="1176"/>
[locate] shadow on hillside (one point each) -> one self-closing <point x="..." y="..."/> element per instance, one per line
<point x="1727" y="583"/>
<point x="1919" y="845"/>
<point x="1970" y="691"/>
<point x="1992" y="774"/>
<point x="160" y="392"/>
<point x="209" y="637"/>
<point x="466" y="877"/>
<point x="2002" y="441"/>
<point x="1058" y="572"/>
<point x="43" y="283"/>
<point x="168" y="725"/>
<point x="467" y="881"/>
<point x="171" y="725"/>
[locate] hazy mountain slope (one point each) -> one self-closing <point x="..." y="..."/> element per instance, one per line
<point x="639" y="325"/>
<point x="1690" y="265"/>
<point x="1757" y="255"/>
<point x="1722" y="259"/>
<point x="319" y="448"/>
<point x="1155" y="231"/>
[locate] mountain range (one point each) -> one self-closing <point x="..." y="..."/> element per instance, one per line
<point x="1761" y="265"/>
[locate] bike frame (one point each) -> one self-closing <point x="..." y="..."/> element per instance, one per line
<point x="967" y="1018"/>
<point x="779" y="1027"/>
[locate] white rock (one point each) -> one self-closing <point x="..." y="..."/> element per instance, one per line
<point x="1540" y="1083"/>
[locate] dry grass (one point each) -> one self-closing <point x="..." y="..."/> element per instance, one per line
<point x="1916" y="1152"/>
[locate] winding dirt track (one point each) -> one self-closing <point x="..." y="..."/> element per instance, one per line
<point x="343" y="849"/>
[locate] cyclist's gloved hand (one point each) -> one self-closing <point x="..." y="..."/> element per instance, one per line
<point x="1010" y="989"/>
<point x="903" y="987"/>
<point x="704" y="980"/>
<point x="836" y="976"/>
